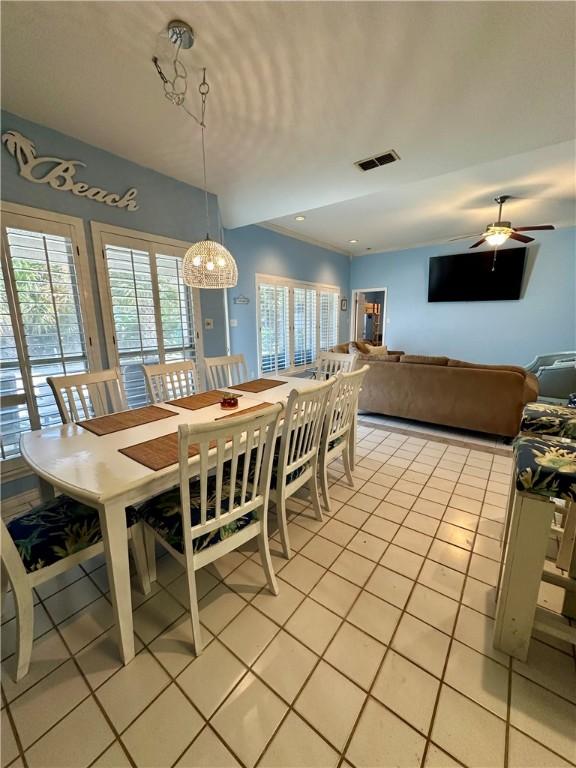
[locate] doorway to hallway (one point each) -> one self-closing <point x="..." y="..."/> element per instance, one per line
<point x="369" y="316"/>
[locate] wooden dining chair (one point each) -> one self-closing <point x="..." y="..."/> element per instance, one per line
<point x="225" y="371"/>
<point x="86" y="395"/>
<point x="338" y="426"/>
<point x="330" y="363"/>
<point x="222" y="501"/>
<point x="296" y="461"/>
<point x="168" y="381"/>
<point x="47" y="541"/>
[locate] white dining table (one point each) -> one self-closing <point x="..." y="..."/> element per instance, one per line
<point x="90" y="469"/>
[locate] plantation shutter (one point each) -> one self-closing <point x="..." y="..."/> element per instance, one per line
<point x="274" y="327"/>
<point x="133" y="311"/>
<point x="304" y="326"/>
<point x="41" y="325"/>
<point x="153" y="310"/>
<point x="328" y="320"/>
<point x="176" y="310"/>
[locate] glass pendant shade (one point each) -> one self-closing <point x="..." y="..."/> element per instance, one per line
<point x="497" y="238"/>
<point x="207" y="264"/>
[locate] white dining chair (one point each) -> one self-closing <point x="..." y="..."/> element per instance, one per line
<point x="225" y="371"/>
<point x="45" y="542"/>
<point x="168" y="381"/>
<point x="222" y="500"/>
<point x="339" y="425"/>
<point x="330" y="363"/>
<point x="297" y="456"/>
<point x="86" y="395"/>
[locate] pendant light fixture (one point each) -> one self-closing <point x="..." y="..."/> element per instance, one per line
<point x="207" y="263"/>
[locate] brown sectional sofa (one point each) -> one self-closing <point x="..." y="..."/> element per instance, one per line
<point x="454" y="393"/>
<point x="484" y="398"/>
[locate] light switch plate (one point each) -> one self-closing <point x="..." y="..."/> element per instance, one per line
<point x="233" y="323"/>
<point x="208" y="323"/>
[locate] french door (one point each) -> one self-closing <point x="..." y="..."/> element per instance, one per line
<point x="46" y="319"/>
<point x="150" y="315"/>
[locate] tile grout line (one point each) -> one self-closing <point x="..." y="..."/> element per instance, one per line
<point x="326" y="570"/>
<point x="445" y="666"/>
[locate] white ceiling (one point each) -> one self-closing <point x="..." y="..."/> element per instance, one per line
<point x="301" y="90"/>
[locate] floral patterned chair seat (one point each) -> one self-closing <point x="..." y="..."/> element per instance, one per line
<point x="544" y="419"/>
<point x="163" y="514"/>
<point x="546" y="467"/>
<point x="56" y="529"/>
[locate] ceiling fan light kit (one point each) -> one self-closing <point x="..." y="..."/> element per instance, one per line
<point x="207" y="263"/>
<point x="499" y="231"/>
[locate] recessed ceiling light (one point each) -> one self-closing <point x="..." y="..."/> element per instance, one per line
<point x="352" y="241"/>
<point x="299" y="218"/>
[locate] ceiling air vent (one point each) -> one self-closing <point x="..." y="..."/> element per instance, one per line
<point x="375" y="162"/>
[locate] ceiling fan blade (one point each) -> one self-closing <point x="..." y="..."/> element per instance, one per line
<point x="520" y="238"/>
<point x="465" y="237"/>
<point x="478" y="243"/>
<point x="533" y="229"/>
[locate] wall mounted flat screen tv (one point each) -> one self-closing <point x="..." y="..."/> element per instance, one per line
<point x="482" y="276"/>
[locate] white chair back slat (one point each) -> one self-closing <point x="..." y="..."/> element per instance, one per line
<point x="220" y="447"/>
<point x="303" y="422"/>
<point x="343" y="404"/>
<point x="225" y="371"/>
<point x="339" y="430"/>
<point x="169" y="381"/>
<point x="330" y="363"/>
<point x="86" y="395"/>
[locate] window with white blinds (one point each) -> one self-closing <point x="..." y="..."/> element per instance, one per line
<point x="304" y="325"/>
<point x="41" y="323"/>
<point x="328" y="322"/>
<point x="153" y="314"/>
<point x="273" y="302"/>
<point x="295" y="322"/>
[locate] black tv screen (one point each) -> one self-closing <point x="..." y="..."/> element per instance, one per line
<point x="481" y="276"/>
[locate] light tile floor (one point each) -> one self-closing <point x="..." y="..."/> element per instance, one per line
<point x="377" y="652"/>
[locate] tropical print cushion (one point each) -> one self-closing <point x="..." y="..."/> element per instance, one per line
<point x="163" y="513"/>
<point x="336" y="442"/>
<point x="546" y="467"/>
<point x="544" y="419"/>
<point x="54" y="530"/>
<point x="274" y="474"/>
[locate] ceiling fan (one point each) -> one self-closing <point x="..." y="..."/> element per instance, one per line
<point x="499" y="231"/>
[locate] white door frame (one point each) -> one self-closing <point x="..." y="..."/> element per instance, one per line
<point x="354" y="299"/>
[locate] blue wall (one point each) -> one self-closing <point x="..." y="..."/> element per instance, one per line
<point x="166" y="206"/>
<point x="259" y="250"/>
<point x="543" y="320"/>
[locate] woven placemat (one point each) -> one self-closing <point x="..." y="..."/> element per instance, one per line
<point x="201" y="400"/>
<point x="116" y="422"/>
<point x="158" y="453"/>
<point x="244" y="411"/>
<point x="258" y="385"/>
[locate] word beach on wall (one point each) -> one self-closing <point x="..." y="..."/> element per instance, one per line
<point x="59" y="174"/>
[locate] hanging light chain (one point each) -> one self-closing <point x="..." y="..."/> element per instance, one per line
<point x="204" y="90"/>
<point x="173" y="91"/>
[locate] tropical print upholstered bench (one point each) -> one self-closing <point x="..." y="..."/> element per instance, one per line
<point x="553" y="420"/>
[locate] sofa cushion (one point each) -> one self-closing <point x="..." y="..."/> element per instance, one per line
<point x="424" y="359"/>
<point x="464" y="364"/>
<point x="360" y="346"/>
<point x="377" y="351"/>
<point x="379" y="358"/>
